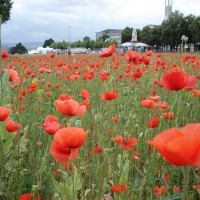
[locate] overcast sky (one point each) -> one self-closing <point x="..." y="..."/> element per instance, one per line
<point x="38" y="20"/>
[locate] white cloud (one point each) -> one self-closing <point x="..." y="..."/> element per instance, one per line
<point x="35" y="20"/>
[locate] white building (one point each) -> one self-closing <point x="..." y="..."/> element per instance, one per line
<point x="114" y="34"/>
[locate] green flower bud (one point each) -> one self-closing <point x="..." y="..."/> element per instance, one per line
<point x="78" y="123"/>
<point x="125" y="91"/>
<point x="98" y="118"/>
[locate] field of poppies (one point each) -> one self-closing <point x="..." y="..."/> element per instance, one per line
<point x="114" y="126"/>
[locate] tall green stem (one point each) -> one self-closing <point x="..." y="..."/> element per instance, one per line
<point x="1" y="67"/>
<point x="186" y="182"/>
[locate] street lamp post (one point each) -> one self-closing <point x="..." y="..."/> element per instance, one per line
<point x="69" y="33"/>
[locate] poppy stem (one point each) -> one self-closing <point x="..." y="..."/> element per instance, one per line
<point x="89" y="155"/>
<point x="185" y="182"/>
<point x="1" y="67"/>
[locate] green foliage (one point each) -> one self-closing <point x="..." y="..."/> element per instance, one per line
<point x="171" y="30"/>
<point x="126" y="34"/>
<point x="5" y="90"/>
<point x="60" y="45"/>
<point x="104" y="37"/>
<point x="68" y="189"/>
<point x="5" y="8"/>
<point x="19" y="48"/>
<point x="47" y="43"/>
<point x="194" y="28"/>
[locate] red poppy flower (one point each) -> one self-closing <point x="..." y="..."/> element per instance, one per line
<point x="135" y="155"/>
<point x="26" y="196"/>
<point x="4" y="113"/>
<point x="57" y="85"/>
<point x="12" y="126"/>
<point x="4" y="54"/>
<point x="48" y="84"/>
<point x="85" y="94"/>
<point x="125" y="143"/>
<point x="154" y="98"/>
<point x="177" y="80"/>
<point x="128" y="143"/>
<point x="149" y="53"/>
<point x="168" y="115"/>
<point x="118" y="188"/>
<point x="153" y="123"/>
<point x="179" y="147"/>
<point x="64" y="97"/>
<point x="109" y="51"/>
<point x="176" y="190"/>
<point x="14" y="76"/>
<point x="67" y="142"/>
<point x="109" y="96"/>
<point x="133" y="56"/>
<point x="196" y="187"/>
<point x="166" y="176"/>
<point x="115" y="119"/>
<point x="85" y="103"/>
<point x="145" y="60"/>
<point x="163" y="105"/>
<point x="148" y="103"/>
<point x="118" y="139"/>
<point x="33" y="87"/>
<point x="196" y="92"/>
<point x="96" y="150"/>
<point x="159" y="190"/>
<point x="104" y="76"/>
<point x="68" y="107"/>
<point x="52" y="55"/>
<point x="191" y="83"/>
<point x="51" y="124"/>
<point x="48" y="94"/>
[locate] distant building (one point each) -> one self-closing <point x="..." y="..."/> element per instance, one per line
<point x="168" y="9"/>
<point x="114" y="34"/>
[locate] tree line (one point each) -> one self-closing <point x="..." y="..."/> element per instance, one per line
<point x="169" y="33"/>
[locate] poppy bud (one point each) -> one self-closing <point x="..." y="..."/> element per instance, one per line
<point x="98" y="118"/>
<point x="125" y="91"/>
<point x="78" y="123"/>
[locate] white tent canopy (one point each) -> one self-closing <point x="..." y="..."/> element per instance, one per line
<point x="41" y="50"/>
<point x="32" y="52"/>
<point x="134" y="44"/>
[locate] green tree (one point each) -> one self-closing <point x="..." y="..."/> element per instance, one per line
<point x="173" y="29"/>
<point x="110" y="41"/>
<point x="187" y="21"/>
<point x="77" y="44"/>
<point x="5" y="8"/>
<point x="86" y="42"/>
<point x="99" y="43"/>
<point x="104" y="37"/>
<point x="19" y="48"/>
<point x="155" y="36"/>
<point x="145" y="34"/>
<point x="138" y="34"/>
<point x="47" y="43"/>
<point x="126" y="34"/>
<point x="194" y="28"/>
<point x="60" y="45"/>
